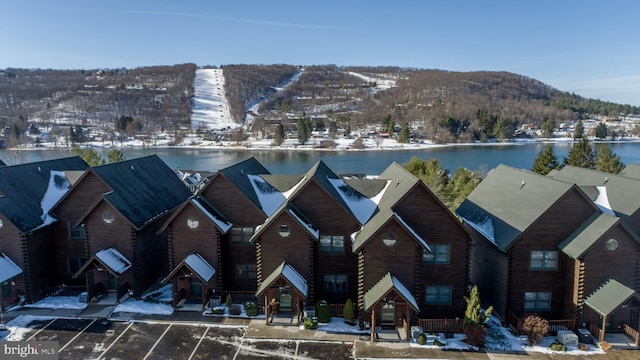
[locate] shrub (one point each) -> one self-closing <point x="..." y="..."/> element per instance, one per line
<point x="556" y="346"/>
<point x="251" y="308"/>
<point x="235" y="309"/>
<point x="323" y="311"/>
<point x="422" y="339"/>
<point x="310" y="324"/>
<point x="218" y="310"/>
<point x="349" y="312"/>
<point x="228" y="301"/>
<point x="583" y="347"/>
<point x="535" y="328"/>
<point x="474" y="315"/>
<point x="475" y="334"/>
<point x="439" y="343"/>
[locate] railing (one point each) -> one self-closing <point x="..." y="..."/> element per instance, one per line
<point x="405" y="326"/>
<point x="440" y="325"/>
<point x="631" y="333"/>
<point x="64" y="290"/>
<point x="596" y="332"/>
<point x="554" y="325"/>
<point x="337" y="310"/>
<point x="241" y="297"/>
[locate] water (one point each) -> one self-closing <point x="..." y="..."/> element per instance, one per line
<point x="473" y="157"/>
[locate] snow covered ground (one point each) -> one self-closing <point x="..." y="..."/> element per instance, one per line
<point x="211" y="108"/>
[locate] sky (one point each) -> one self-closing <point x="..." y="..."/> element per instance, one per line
<point x="584" y="46"/>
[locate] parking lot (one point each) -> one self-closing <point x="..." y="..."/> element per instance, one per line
<point x="105" y="339"/>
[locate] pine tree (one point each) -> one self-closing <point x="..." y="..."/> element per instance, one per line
<point x="92" y="157"/>
<point x="302" y="131"/>
<point x="601" y="131"/>
<point x="578" y="132"/>
<point x="581" y="155"/>
<point x="607" y="161"/>
<point x="545" y="161"/>
<point x="405" y="133"/>
<point x="548" y="127"/>
<point x="474" y="315"/>
<point x="349" y="312"/>
<point x="115" y="155"/>
<point x="278" y="137"/>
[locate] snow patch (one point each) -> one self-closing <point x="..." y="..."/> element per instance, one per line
<point x="270" y="198"/>
<point x="415" y="234"/>
<point x="8" y="269"/>
<point x="295" y="279"/>
<point x="200" y="266"/>
<point x="58" y="302"/>
<point x="221" y="224"/>
<point x="57" y="187"/>
<point x="484" y="226"/>
<point x="113" y="259"/>
<point x="143" y="307"/>
<point x="602" y="201"/>
<point x="361" y="206"/>
<point x="210" y="106"/>
<point x="315" y="232"/>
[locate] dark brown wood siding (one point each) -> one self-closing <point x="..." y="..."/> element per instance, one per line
<point x="12" y="244"/>
<point x="42" y="259"/>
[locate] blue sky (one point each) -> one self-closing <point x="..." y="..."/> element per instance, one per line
<point x="588" y="47"/>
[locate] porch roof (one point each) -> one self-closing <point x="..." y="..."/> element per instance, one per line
<point x="290" y="275"/>
<point x="8" y="269"/>
<point x="609" y="296"/>
<point x="195" y="264"/>
<point x="586" y="235"/>
<point x="382" y="288"/>
<point x="111" y="259"/>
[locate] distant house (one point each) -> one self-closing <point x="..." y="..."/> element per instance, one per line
<point x="114" y="212"/>
<point x="27" y="248"/>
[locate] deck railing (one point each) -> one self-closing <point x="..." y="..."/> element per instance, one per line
<point x="554" y="325"/>
<point x="440" y="325"/>
<point x="596" y="332"/>
<point x="631" y="333"/>
<point x="65" y="290"/>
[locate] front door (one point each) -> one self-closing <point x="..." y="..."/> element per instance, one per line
<point x="111" y="282"/>
<point x="195" y="288"/>
<point x="609" y="325"/>
<point x="285" y="299"/>
<point x="388" y="314"/>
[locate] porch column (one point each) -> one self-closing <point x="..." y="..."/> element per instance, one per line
<point x="267" y="309"/>
<point x="604" y="326"/>
<point x="373" y="324"/>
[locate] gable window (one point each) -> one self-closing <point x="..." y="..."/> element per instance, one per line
<point x="438" y="295"/>
<point x="108" y="217"/>
<point x="74" y="264"/>
<point x="390" y="240"/>
<point x="76" y="232"/>
<point x="246" y="272"/>
<point x="544" y="260"/>
<point x="332" y="244"/>
<point x="537" y="301"/>
<point x="193" y="223"/>
<point x="241" y="235"/>
<point x="439" y="255"/>
<point x="335" y="283"/>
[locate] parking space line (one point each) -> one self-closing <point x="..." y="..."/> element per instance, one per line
<point x="199" y="342"/>
<point x="240" y="345"/>
<point x="39" y="331"/>
<point x="157" y="341"/>
<point x="114" y="341"/>
<point x="78" y="334"/>
<point x="295" y="356"/>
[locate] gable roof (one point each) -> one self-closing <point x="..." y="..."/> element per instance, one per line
<point x="401" y="181"/>
<point x="588" y="233"/>
<point x="210" y="211"/>
<point x="617" y="188"/>
<point x="291" y="211"/>
<point x="8" y="269"/>
<point x="282" y="183"/>
<point x="110" y="258"/>
<point x="378" y="221"/>
<point x="383" y="287"/>
<point x="631" y="171"/>
<point x="142" y="189"/>
<point x="238" y="175"/>
<point x="197" y="265"/>
<point x="290" y="275"/>
<point x="508" y="201"/>
<point x="609" y="296"/>
<point x="28" y="191"/>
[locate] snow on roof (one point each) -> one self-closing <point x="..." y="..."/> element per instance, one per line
<point x="404" y="291"/>
<point x="415" y="234"/>
<point x="484" y="226"/>
<point x="200" y="266"/>
<point x="361" y="206"/>
<point x="376" y="199"/>
<point x="114" y="260"/>
<point x="8" y="269"/>
<point x="315" y="232"/>
<point x="270" y="198"/>
<point x="289" y="192"/>
<point x="220" y="223"/>
<point x="58" y="186"/>
<point x="295" y="279"/>
<point x="602" y="201"/>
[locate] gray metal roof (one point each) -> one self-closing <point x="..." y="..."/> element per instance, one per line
<point x="382" y="288"/>
<point x="378" y="221"/>
<point x="631" y="171"/>
<point x="143" y="188"/>
<point x="402" y="181"/>
<point x="367" y="187"/>
<point x="290" y="275"/>
<point x="609" y="296"/>
<point x="238" y="175"/>
<point x="508" y="201"/>
<point x="282" y="183"/>
<point x="587" y="234"/>
<point x="22" y="188"/>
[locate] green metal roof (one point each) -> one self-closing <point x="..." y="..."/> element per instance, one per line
<point x="367" y="187"/>
<point x="290" y="275"/>
<point x="587" y="234"/>
<point x="282" y="183"/>
<point x="402" y="181"/>
<point x="631" y="171"/>
<point x="382" y="288"/>
<point x="378" y="221"/>
<point x="508" y="201"/>
<point x="609" y="296"/>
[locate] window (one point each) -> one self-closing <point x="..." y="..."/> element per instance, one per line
<point x="108" y="217"/>
<point x="335" y="283"/>
<point x="246" y="272"/>
<point x="76" y="232"/>
<point x="193" y="223"/>
<point x="74" y="264"/>
<point x="544" y="260"/>
<point x="612" y="244"/>
<point x="439" y="255"/>
<point x="241" y="235"/>
<point x="332" y="244"/>
<point x="438" y="295"/>
<point x="390" y="240"/>
<point x="537" y="301"/>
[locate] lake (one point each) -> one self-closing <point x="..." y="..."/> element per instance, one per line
<point x="473" y="157"/>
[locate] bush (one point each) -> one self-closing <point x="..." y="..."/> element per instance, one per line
<point x="349" y="312"/>
<point x="323" y="311"/>
<point x="235" y="310"/>
<point x="475" y="334"/>
<point x="228" y="301"/>
<point x="439" y="343"/>
<point x="218" y="310"/>
<point x="535" y="328"/>
<point x="310" y="324"/>
<point x="251" y="308"/>
<point x="422" y="339"/>
<point x="556" y="346"/>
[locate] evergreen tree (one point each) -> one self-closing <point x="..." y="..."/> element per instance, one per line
<point x="462" y="183"/>
<point x="302" y="131"/>
<point x="405" y="133"/>
<point x="278" y="137"/>
<point x="115" y="155"/>
<point x="430" y="172"/>
<point x="474" y="315"/>
<point x="388" y="124"/>
<point x="320" y="125"/>
<point x="607" y="161"/>
<point x="333" y="129"/>
<point x="581" y="155"/>
<point x="92" y="157"/>
<point x="548" y="127"/>
<point x="578" y="132"/>
<point x="347" y="130"/>
<point x="601" y="131"/>
<point x="545" y="161"/>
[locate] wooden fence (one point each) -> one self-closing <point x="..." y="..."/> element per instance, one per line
<point x="441" y="325"/>
<point x="554" y="325"/>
